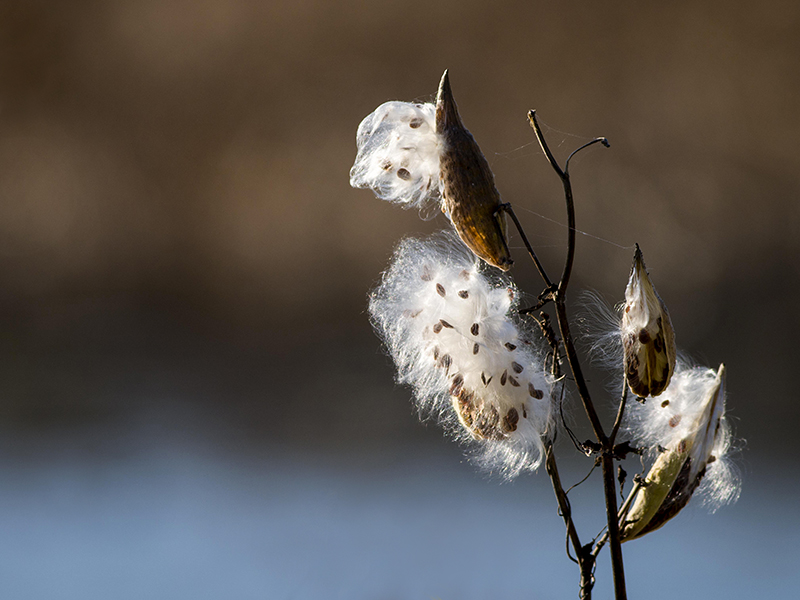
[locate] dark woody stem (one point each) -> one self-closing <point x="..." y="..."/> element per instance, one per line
<point x="559" y="298"/>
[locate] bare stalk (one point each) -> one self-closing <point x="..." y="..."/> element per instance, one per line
<point x="559" y="298"/>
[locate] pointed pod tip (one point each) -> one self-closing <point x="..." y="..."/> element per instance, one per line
<point x="446" y="110"/>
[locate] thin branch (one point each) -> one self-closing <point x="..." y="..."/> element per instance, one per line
<point x="607" y="459"/>
<point x="584" y="558"/>
<point x="620" y="411"/>
<point x="510" y="212"/>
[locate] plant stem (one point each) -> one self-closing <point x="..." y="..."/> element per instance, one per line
<point x="584" y="557"/>
<point x="559" y="297"/>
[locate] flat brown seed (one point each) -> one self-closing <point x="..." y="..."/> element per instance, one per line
<point x="463" y="294"/>
<point x="440" y="290"/>
<point x="474" y="329"/>
<point x="534" y="393"/>
<point x="476" y="347"/>
<point x="415" y="123"/>
<point x="665" y="404"/>
<point x="438" y="327"/>
<point x="510" y="420"/>
<point x="644" y="336"/>
<point x="445" y="362"/>
<point x="386" y="165"/>
<point x="511" y="347"/>
<point x="465" y="275"/>
<point x="457" y="384"/>
<point x="512" y="380"/>
<point x="517" y="367"/>
<point x="404" y="174"/>
<point x="436" y="353"/>
<point x="673" y="422"/>
<point x="445" y="324"/>
<point x="503" y="377"/>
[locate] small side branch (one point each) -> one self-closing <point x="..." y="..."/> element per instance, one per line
<point x="583" y="555"/>
<point x="510" y="212"/>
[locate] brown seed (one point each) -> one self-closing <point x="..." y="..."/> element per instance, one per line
<point x="465" y="275"/>
<point x="436" y="353"/>
<point x="511" y="347"/>
<point x="463" y="294"/>
<point x="457" y="384"/>
<point x="445" y="324"/>
<point x="524" y="412"/>
<point x="627" y="309"/>
<point x="711" y="459"/>
<point x="445" y="361"/>
<point x="474" y="329"/>
<point x="517" y="367"/>
<point x="403" y="174"/>
<point x="673" y="422"/>
<point x="665" y="404"/>
<point x="510" y="420"/>
<point x="513" y="381"/>
<point x="644" y="336"/>
<point x="682" y="446"/>
<point x="534" y="393"/>
<point x="476" y="347"/>
<point x="503" y="377"/>
<point x="426" y="273"/>
<point x="440" y="290"/>
<point x="415" y="123"/>
<point x="386" y="165"/>
<point x="438" y="327"/>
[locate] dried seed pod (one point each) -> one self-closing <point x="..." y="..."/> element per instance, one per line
<point x="679" y="469"/>
<point x="465" y="354"/>
<point x="647" y="335"/>
<point x="470" y="197"/>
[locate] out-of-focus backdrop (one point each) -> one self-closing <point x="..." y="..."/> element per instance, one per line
<point x="192" y="401"/>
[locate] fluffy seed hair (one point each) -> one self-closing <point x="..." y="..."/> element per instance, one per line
<point x="398" y="154"/>
<point x="690" y="410"/>
<point x="455" y="338"/>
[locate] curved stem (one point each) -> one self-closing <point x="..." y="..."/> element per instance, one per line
<point x="510" y="212"/>
<point x="559" y="297"/>
<point x="584" y="556"/>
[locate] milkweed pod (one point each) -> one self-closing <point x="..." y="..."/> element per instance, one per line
<point x="648" y="339"/>
<point x="470" y="197"/>
<point x="680" y="467"/>
<point x="453" y="329"/>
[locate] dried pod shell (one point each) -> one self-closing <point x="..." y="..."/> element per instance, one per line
<point x="678" y="470"/>
<point x="647" y="335"/>
<point x="470" y="197"/>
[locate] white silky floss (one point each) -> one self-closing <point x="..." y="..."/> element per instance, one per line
<point x="692" y="410"/>
<point x="398" y="154"/>
<point x="455" y="337"/>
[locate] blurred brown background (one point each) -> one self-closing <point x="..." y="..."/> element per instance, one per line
<point x="180" y="250"/>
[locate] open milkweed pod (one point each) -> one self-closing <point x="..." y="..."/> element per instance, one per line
<point x="648" y="339"/>
<point x="471" y="199"/>
<point x="420" y="155"/>
<point x="690" y="421"/>
<point x="456" y="337"/>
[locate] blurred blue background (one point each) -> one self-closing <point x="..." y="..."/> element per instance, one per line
<point x="192" y="402"/>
